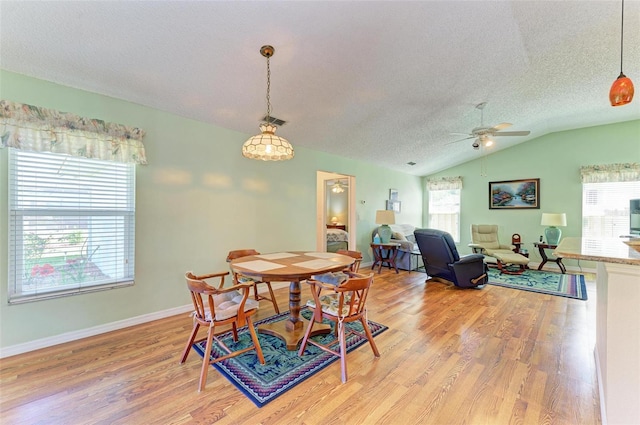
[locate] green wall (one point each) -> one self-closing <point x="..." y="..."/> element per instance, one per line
<point x="555" y="159"/>
<point x="197" y="199"/>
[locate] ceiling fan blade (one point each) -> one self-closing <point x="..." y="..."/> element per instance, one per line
<point x="461" y="134"/>
<point x="456" y="141"/>
<point x="502" y="125"/>
<point x="512" y="133"/>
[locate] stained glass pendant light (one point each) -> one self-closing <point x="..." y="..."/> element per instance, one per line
<point x="622" y="90"/>
<point x="266" y="146"/>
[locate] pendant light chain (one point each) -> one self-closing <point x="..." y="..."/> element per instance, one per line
<point x="268" y="90"/>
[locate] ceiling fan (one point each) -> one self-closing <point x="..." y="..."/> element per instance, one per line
<point x="338" y="186"/>
<point x="484" y="135"/>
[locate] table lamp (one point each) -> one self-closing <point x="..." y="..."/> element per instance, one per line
<point x="384" y="218"/>
<point x="334" y="220"/>
<point x="552" y="233"/>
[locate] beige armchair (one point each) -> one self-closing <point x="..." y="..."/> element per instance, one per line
<point x="484" y="240"/>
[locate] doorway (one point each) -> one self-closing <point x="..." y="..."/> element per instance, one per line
<point x="325" y="182"/>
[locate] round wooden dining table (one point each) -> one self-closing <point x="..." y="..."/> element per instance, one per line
<point x="293" y="267"/>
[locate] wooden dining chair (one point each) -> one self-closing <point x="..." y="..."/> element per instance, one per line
<point x="355" y="266"/>
<point x="239" y="278"/>
<point x="215" y="307"/>
<point x="342" y="303"/>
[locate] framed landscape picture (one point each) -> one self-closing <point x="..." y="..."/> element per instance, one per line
<point x="514" y="194"/>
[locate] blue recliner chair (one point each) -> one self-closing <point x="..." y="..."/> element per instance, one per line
<point x="441" y="260"/>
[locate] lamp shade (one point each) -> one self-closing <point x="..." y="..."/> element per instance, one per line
<point x="385" y="217"/>
<point x="334" y="220"/>
<point x="621" y="91"/>
<point x="554" y="219"/>
<point x="266" y="146"/>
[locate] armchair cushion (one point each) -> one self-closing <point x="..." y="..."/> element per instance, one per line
<point x="485" y="236"/>
<point x="398" y="236"/>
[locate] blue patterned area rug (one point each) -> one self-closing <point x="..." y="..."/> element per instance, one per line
<point x="563" y="285"/>
<point x="283" y="369"/>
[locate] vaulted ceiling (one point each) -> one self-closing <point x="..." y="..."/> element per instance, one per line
<point x="385" y="82"/>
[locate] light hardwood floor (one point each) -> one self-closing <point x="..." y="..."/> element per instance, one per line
<point x="450" y="356"/>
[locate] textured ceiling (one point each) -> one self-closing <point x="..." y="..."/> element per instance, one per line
<point x="384" y="82"/>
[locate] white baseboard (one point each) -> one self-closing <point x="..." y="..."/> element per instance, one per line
<point x="13" y="350"/>
<point x="603" y="406"/>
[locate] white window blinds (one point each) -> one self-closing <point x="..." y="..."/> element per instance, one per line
<point x="606" y="208"/>
<point x="444" y="205"/>
<point x="71" y="224"/>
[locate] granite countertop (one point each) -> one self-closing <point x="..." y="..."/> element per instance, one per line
<point x="607" y="250"/>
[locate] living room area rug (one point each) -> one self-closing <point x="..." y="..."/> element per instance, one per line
<point x="563" y="285"/>
<point x="283" y="369"/>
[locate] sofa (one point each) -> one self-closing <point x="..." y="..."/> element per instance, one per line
<point x="403" y="234"/>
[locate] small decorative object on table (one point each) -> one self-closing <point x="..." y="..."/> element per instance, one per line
<point x="516" y="242"/>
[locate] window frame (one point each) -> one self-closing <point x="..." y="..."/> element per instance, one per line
<point x="622" y="191"/>
<point x="118" y="221"/>
<point x="455" y="232"/>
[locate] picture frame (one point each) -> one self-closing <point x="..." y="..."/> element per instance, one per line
<point x="514" y="194"/>
<point x="393" y="194"/>
<point x="394" y="205"/>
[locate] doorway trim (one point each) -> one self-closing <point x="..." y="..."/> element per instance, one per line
<point x="321" y="208"/>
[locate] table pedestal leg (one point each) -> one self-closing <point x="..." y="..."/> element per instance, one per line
<point x="291" y="330"/>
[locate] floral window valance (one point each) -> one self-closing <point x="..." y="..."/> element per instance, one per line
<point x="445" y="183"/>
<point x="39" y="129"/>
<point x="610" y="173"/>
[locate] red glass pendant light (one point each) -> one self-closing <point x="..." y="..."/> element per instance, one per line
<point x="622" y="89"/>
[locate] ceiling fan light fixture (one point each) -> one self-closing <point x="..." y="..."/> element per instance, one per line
<point x="266" y="146"/>
<point x="337" y="187"/>
<point x="622" y="90"/>
<point x="487" y="141"/>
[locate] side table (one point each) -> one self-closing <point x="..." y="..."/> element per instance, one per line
<point x="384" y="253"/>
<point x="417" y="255"/>
<point x="541" y="249"/>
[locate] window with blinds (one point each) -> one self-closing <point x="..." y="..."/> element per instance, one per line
<point x="606" y="208"/>
<point x="71" y="225"/>
<point x="444" y="211"/>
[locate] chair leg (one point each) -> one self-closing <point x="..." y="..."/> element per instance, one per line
<point x="254" y="338"/>
<point x="343" y="350"/>
<point x="303" y="344"/>
<point x="192" y="338"/>
<point x="367" y="331"/>
<point x="206" y="360"/>
<point x="255" y="292"/>
<point x="234" y="329"/>
<point x="273" y="298"/>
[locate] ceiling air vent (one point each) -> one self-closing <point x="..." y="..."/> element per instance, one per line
<point x="275" y="121"/>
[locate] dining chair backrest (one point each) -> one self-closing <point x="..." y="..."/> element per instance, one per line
<point x="239" y="278"/>
<point x="357" y="255"/>
<point x="239" y="253"/>
<point x="342" y="304"/>
<point x="222" y="306"/>
<point x="352" y="295"/>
